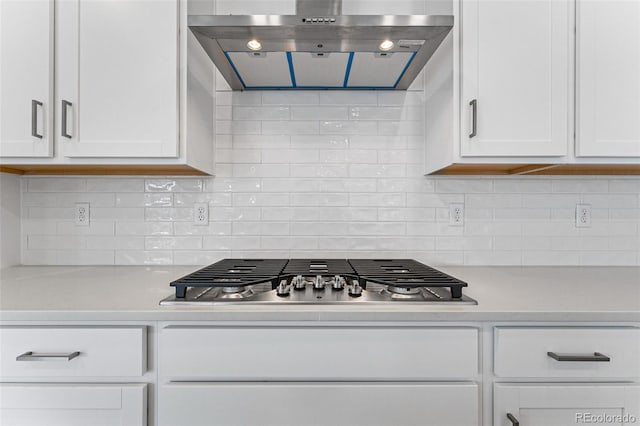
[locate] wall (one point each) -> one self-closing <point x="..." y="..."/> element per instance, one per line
<point x="282" y="192"/>
<point x="9" y="220"/>
<point x="329" y="174"/>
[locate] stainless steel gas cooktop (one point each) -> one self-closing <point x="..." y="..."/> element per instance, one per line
<point x="317" y="281"/>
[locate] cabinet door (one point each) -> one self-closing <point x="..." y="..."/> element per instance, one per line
<point x="318" y="404"/>
<point x="562" y="405"/>
<point x="516" y="74"/>
<point x="117" y="78"/>
<point x="26" y="86"/>
<point x="73" y="405"/>
<point x="608" y="73"/>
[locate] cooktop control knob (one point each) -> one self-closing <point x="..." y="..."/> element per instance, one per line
<point x="355" y="290"/>
<point x="298" y="283"/>
<point x="338" y="283"/>
<point x="283" y="289"/>
<point x="318" y="284"/>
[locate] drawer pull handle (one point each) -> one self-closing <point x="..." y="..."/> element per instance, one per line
<point x="30" y="356"/>
<point x="34" y="118"/>
<point x="65" y="106"/>
<point x="474" y="118"/>
<point x="513" y="420"/>
<point x="596" y="357"/>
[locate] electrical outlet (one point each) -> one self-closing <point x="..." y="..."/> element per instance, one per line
<point x="201" y="214"/>
<point x="82" y="214"/>
<point x="456" y="214"/>
<point x="583" y="215"/>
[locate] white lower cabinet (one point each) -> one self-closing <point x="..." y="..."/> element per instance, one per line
<point x="73" y="404"/>
<point x="326" y="353"/>
<point x="566" y="404"/>
<point x="73" y="375"/>
<point x="348" y="375"/>
<point x="319" y="404"/>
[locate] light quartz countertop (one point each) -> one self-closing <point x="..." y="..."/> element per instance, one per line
<point x="132" y="293"/>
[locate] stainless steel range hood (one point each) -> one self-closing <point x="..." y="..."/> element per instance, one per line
<point x="319" y="48"/>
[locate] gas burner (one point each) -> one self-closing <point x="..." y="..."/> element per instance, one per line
<point x="242" y="292"/>
<point x="403" y="290"/>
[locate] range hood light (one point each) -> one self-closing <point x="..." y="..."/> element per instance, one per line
<point x="386" y="45"/>
<point x="254" y="45"/>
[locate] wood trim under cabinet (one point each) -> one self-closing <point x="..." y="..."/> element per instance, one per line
<point x="102" y="169"/>
<point x="540" y="169"/>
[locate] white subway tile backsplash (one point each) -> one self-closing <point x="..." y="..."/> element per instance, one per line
<point x="168" y="214"/>
<point x="231" y="243"/>
<point x="320" y="170"/>
<point x="142" y="257"/>
<point x="290" y="98"/>
<point x="144" y="228"/>
<point x="290" y="128"/>
<point x="349" y="127"/>
<point x="85" y="257"/>
<point x="348" y="98"/>
<point x="173" y="185"/>
<point x="243" y="113"/>
<point x="321" y="199"/>
<point x="319" y="113"/>
<point x="324" y="142"/>
<point x="143" y="200"/>
<point x="55" y="184"/>
<point x="624" y="186"/>
<point x="114" y="243"/>
<point x="55" y="242"/>
<point x="94" y="228"/>
<point x="522" y="185"/>
<point x="377" y="170"/>
<point x="580" y="186"/>
<point x="377" y="228"/>
<point x="464" y="186"/>
<point x="331" y="174"/>
<point x="199" y="257"/>
<point x="115" y="185"/>
<point x="215" y="228"/>
<point x="173" y="243"/>
<point x="117" y="214"/>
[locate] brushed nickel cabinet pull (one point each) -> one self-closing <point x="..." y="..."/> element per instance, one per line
<point x="474" y="117"/>
<point x="30" y="356"/>
<point x="34" y="118"/>
<point x="65" y="106"/>
<point x="596" y="357"/>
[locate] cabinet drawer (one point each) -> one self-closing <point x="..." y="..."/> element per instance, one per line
<point x="367" y="353"/>
<point x="319" y="404"/>
<point x="73" y="405"/>
<point x="570" y="352"/>
<point x="72" y="351"/>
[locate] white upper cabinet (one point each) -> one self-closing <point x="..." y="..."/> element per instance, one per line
<point x="516" y="77"/>
<point x="608" y="78"/>
<point x="116" y="78"/>
<point x="26" y="61"/>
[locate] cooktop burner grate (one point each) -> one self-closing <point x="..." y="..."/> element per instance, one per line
<point x="318" y="267"/>
<point x="232" y="273"/>
<point x="401" y="275"/>
<point x="405" y="273"/>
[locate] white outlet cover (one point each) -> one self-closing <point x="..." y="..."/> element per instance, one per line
<point x="583" y="215"/>
<point x="456" y="214"/>
<point x="82" y="214"/>
<point x="201" y="214"/>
